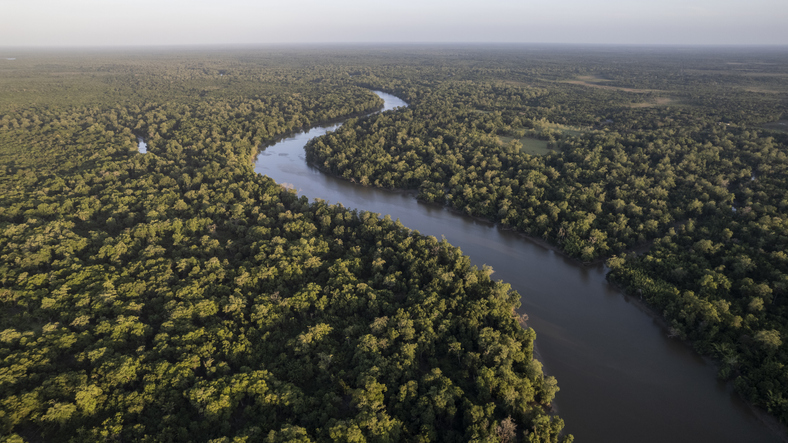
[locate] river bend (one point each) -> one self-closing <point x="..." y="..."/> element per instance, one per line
<point x="621" y="378"/>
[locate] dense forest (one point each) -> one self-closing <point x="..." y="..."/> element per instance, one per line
<point x="680" y="155"/>
<point x="179" y="296"/>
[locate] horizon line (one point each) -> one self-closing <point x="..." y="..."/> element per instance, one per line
<point x="403" y="44"/>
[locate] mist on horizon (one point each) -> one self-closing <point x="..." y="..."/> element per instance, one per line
<point x="203" y="22"/>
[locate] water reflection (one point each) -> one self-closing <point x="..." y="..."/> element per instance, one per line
<point x="142" y="146"/>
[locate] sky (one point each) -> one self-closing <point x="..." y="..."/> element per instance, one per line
<point x="222" y="22"/>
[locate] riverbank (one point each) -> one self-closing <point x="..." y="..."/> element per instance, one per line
<point x="778" y="429"/>
<point x="605" y="354"/>
<point x="768" y="420"/>
<point x="322" y="124"/>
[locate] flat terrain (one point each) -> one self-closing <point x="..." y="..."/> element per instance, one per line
<point x="596" y="82"/>
<point x="658" y="101"/>
<point x="531" y="145"/>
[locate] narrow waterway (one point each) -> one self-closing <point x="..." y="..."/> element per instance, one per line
<point x="621" y="378"/>
<point x="142" y="146"/>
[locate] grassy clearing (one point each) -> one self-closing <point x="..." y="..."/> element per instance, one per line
<point x="617" y="88"/>
<point x="597" y="82"/>
<point x="561" y="130"/>
<point x="572" y="131"/>
<point x="657" y="101"/>
<point x="765" y="90"/>
<point x="542" y="138"/>
<point x="530" y="145"/>
<point x="766" y="74"/>
<point x="592" y="79"/>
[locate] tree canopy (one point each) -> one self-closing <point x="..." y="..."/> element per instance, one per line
<point x="177" y="295"/>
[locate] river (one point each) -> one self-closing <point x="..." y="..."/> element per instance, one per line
<point x="141" y="145"/>
<point x="621" y="378"/>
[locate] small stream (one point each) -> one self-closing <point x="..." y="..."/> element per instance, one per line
<point x="142" y="146"/>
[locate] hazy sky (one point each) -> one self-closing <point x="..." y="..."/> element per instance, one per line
<point x="167" y="22"/>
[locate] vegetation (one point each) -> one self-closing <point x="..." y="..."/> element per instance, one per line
<point x="177" y="295"/>
<point x="698" y="177"/>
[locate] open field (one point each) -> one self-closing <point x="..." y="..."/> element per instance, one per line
<point x="531" y="145"/>
<point x="563" y="130"/>
<point x="594" y="82"/>
<point x="765" y="74"/>
<point x="592" y="78"/>
<point x="766" y="90"/>
<point x="741" y="72"/>
<point x="657" y="101"/>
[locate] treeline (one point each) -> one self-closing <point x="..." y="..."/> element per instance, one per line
<point x="721" y="278"/>
<point x="667" y="154"/>
<point x="602" y="193"/>
<point x="177" y="295"/>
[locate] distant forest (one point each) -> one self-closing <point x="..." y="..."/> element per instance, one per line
<point x="178" y="295"/>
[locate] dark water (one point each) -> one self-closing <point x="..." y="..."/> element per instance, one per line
<point x="621" y="378"/>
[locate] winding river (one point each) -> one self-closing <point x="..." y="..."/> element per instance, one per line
<point x="621" y="378"/>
